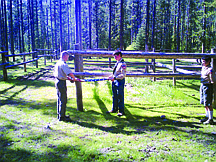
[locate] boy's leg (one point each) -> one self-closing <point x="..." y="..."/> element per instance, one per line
<point x="210" y="115"/>
<point x="202" y="101"/>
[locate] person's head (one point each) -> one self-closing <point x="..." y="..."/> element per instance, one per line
<point x="117" y="55"/>
<point x="64" y="55"/>
<point x="206" y="60"/>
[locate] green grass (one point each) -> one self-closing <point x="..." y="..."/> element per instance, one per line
<point x="29" y="130"/>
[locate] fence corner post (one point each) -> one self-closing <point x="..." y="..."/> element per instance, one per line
<point x="77" y="63"/>
<point x="213" y="51"/>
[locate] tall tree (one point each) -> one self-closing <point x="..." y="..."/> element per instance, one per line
<point x="90" y="23"/>
<point x="122" y="25"/>
<point x="178" y="25"/>
<point x="153" y="25"/>
<point x="11" y="29"/>
<point x="147" y="25"/>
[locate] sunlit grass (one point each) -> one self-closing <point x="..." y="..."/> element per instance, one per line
<point x="29" y="130"/>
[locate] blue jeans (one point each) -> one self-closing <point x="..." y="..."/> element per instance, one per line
<point x="118" y="95"/>
<point x="61" y="97"/>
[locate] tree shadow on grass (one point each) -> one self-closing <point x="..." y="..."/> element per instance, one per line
<point x="31" y="152"/>
<point x="191" y="86"/>
<point x="32" y="83"/>
<point x="100" y="103"/>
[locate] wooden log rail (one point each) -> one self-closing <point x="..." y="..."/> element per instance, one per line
<point x="145" y="55"/>
<point x="164" y="75"/>
<point x="44" y="55"/>
<point x="104" y="63"/>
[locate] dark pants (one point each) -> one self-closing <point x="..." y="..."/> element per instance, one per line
<point x="206" y="94"/>
<point x="118" y="95"/>
<point x="61" y="97"/>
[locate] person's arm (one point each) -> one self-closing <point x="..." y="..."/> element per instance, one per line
<point x="74" y="78"/>
<point x="122" y="75"/>
<point x="111" y="77"/>
<point x="211" y="76"/>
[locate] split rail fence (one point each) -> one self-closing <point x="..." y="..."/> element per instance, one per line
<point x="34" y="58"/>
<point x="176" y="72"/>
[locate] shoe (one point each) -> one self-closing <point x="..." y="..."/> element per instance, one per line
<point x="209" y="121"/>
<point x="120" y="114"/>
<point x="111" y="111"/>
<point x="58" y="116"/>
<point x="203" y="120"/>
<point x="66" y="118"/>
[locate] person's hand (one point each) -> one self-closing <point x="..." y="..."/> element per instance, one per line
<point x="77" y="79"/>
<point x="111" y="78"/>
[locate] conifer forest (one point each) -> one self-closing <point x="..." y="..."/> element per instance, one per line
<point x="160" y="25"/>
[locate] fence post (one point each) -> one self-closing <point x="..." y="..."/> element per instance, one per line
<point x="77" y="63"/>
<point x="24" y="60"/>
<point x="51" y="55"/>
<point x="153" y="66"/>
<point x="4" y="66"/>
<point x="174" y="70"/>
<point x="36" y="55"/>
<point x="44" y="58"/>
<point x="214" y="85"/>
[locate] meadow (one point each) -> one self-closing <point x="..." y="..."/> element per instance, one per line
<point x="161" y="121"/>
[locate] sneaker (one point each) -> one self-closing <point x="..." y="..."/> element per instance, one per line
<point x="203" y="120"/>
<point x="209" y="121"/>
<point x="66" y="118"/>
<point x="120" y="114"/>
<point x="111" y="111"/>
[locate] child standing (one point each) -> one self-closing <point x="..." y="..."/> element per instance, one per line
<point x="206" y="89"/>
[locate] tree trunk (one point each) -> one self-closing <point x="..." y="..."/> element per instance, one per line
<point x="96" y="24"/>
<point x="22" y="27"/>
<point x="11" y="30"/>
<point x="19" y="31"/>
<point x="51" y="26"/>
<point x="90" y="23"/>
<point x="32" y="26"/>
<point x="60" y="26"/>
<point x="178" y="26"/>
<point x="55" y="26"/>
<point x="204" y="30"/>
<point x="147" y="25"/>
<point x="122" y="25"/>
<point x="153" y="25"/>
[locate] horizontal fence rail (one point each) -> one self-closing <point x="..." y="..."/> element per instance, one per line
<point x="146" y="55"/>
<point x="21" y="54"/>
<point x="165" y="75"/>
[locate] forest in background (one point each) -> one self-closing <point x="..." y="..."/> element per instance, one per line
<point x="160" y="25"/>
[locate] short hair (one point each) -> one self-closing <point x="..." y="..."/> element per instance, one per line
<point x="117" y="52"/>
<point x="206" y="58"/>
<point x="63" y="53"/>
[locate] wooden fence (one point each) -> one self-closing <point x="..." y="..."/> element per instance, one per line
<point x="35" y="58"/>
<point x="144" y="55"/>
<point x="177" y="72"/>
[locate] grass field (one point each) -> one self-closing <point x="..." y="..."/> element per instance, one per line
<point x="29" y="130"/>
